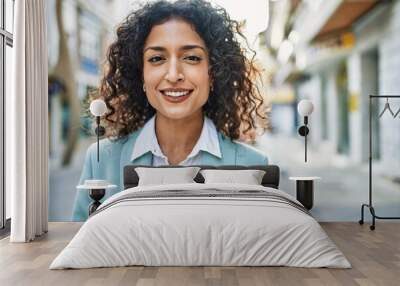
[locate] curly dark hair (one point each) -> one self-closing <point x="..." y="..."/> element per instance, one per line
<point x="235" y="100"/>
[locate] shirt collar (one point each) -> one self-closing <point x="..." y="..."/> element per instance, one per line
<point x="147" y="141"/>
<point x="208" y="140"/>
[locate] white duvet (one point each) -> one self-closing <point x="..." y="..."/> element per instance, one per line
<point x="181" y="231"/>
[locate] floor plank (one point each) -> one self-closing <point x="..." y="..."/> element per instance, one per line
<point x="374" y="255"/>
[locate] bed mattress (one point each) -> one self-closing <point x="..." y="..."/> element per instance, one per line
<point x="201" y="225"/>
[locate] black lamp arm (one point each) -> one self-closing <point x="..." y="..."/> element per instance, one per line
<point x="100" y="131"/>
<point x="303" y="131"/>
<point x="98" y="137"/>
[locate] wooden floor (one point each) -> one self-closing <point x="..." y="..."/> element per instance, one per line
<point x="374" y="255"/>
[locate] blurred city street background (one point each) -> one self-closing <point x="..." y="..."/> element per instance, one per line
<point x="335" y="53"/>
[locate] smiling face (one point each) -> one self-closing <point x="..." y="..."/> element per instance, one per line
<point x="175" y="70"/>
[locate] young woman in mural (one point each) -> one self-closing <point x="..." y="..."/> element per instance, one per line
<point x="179" y="90"/>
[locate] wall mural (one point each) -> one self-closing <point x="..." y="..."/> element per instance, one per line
<point x="220" y="86"/>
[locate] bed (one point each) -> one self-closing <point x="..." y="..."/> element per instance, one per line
<point x="201" y="224"/>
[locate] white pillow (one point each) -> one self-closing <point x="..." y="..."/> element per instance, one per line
<point x="162" y="176"/>
<point x="248" y="177"/>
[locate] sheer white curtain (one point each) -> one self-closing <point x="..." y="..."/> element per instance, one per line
<point x="27" y="124"/>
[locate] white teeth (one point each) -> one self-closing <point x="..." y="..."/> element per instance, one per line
<point x="176" y="93"/>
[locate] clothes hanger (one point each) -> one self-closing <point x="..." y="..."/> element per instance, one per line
<point x="387" y="107"/>
<point x="397" y="113"/>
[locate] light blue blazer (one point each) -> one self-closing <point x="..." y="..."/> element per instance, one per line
<point x="114" y="156"/>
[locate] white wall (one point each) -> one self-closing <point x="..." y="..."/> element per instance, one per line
<point x="332" y="107"/>
<point x="378" y="31"/>
<point x="389" y="83"/>
<point x="282" y="118"/>
<point x="362" y="77"/>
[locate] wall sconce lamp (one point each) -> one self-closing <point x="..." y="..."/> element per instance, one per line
<point x="97" y="188"/>
<point x="305" y="108"/>
<point x="98" y="108"/>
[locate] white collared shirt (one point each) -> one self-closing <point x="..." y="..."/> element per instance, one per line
<point x="147" y="142"/>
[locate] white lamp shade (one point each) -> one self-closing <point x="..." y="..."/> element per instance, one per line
<point x="305" y="107"/>
<point x="98" y="107"/>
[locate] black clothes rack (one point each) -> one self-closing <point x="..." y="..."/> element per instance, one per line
<point x="370" y="205"/>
